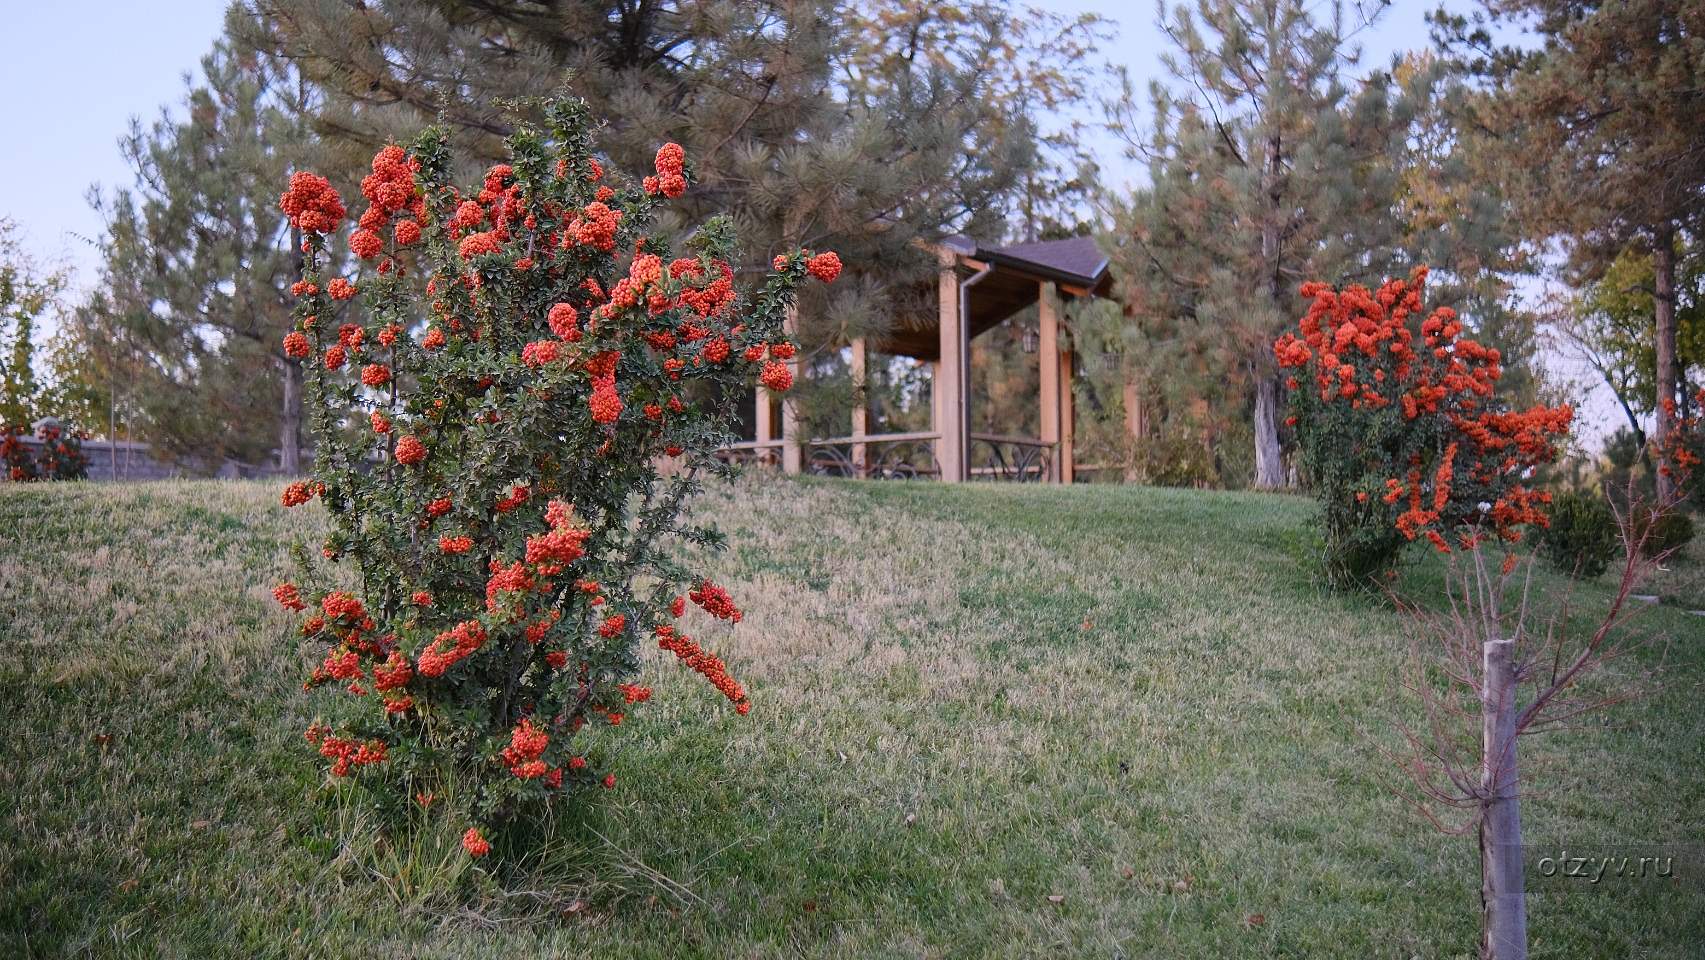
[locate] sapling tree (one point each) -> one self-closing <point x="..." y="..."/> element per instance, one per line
<point x="503" y="446"/>
<point x="1488" y="671"/>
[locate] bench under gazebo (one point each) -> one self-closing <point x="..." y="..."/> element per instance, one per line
<point x="978" y="287"/>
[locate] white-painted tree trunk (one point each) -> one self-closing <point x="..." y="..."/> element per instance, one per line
<point x="1269" y="459"/>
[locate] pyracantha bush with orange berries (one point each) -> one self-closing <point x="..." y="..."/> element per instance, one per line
<point x="1401" y="432"/>
<point x="510" y="403"/>
<point x="1679" y="456"/>
<point x="57" y="453"/>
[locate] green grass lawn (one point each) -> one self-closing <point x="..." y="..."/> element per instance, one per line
<point x="989" y="721"/>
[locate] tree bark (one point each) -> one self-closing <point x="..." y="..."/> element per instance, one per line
<point x="1663" y="303"/>
<point x="1503" y="929"/>
<point x="1269" y="464"/>
<point x="1269" y="467"/>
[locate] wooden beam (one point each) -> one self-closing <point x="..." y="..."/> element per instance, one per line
<point x="1068" y="468"/>
<point x="792" y="452"/>
<point x="861" y="409"/>
<point x="1136" y="421"/>
<point x="763" y="415"/>
<point x="949" y="387"/>
<point x="1048" y="361"/>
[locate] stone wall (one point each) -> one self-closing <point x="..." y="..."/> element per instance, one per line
<point x="132" y="461"/>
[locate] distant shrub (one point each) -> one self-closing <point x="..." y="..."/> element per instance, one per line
<point x="1582" y="538"/>
<point x="526" y="359"/>
<point x="1401" y="431"/>
<point x="58" y="456"/>
<point x="1663" y="532"/>
<point x="1176" y="459"/>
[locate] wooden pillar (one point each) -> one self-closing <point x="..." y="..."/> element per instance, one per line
<point x="763" y="420"/>
<point x="949" y="376"/>
<point x="1048" y="360"/>
<point x="860" y="414"/>
<point x="792" y="451"/>
<point x="1068" y="468"/>
<point x="1136" y="422"/>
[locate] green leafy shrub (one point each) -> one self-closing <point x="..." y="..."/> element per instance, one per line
<point x="1662" y="532"/>
<point x="1582" y="538"/>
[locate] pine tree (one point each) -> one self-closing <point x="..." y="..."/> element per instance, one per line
<point x="1267" y="166"/>
<point x="863" y="127"/>
<point x="1454" y="219"/>
<point x="193" y="299"/>
<point x="1602" y="144"/>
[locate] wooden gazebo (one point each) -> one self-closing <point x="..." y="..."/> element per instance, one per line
<point x="977" y="288"/>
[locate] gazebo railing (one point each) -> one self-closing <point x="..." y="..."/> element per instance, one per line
<point x="1011" y="459"/>
<point x="760" y="452"/>
<point x="906" y="456"/>
<point x="875" y="456"/>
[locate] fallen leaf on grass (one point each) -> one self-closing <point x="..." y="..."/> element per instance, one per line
<point x="1128" y="873"/>
<point x="1056" y="899"/>
<point x="1255" y="919"/>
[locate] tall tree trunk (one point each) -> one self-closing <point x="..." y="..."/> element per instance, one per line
<point x="1269" y="464"/>
<point x="1503" y="907"/>
<point x="1663" y="302"/>
<point x="290" y="421"/>
<point x="1269" y="467"/>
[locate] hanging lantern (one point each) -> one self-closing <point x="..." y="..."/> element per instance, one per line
<point x="1032" y="340"/>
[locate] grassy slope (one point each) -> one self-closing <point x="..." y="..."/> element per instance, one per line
<point x="968" y="700"/>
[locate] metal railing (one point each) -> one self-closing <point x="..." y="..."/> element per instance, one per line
<point x="1012" y="459"/>
<point x="874" y="456"/>
<point x="905" y="456"/>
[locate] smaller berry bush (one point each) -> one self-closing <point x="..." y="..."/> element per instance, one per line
<point x="1402" y="433"/>
<point x="510" y="404"/>
<point x="58" y="456"/>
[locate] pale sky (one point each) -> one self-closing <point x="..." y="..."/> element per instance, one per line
<point x="75" y="74"/>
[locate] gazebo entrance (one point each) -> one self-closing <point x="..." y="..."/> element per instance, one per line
<point x="977" y="288"/>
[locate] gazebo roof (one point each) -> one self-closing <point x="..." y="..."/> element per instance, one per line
<point x="1012" y="281"/>
<point x="1076" y="261"/>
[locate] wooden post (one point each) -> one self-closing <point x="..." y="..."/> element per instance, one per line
<point x="1503" y="932"/>
<point x="1048" y="360"/>
<point x="949" y="379"/>
<point x="1068" y="467"/>
<point x="792" y="458"/>
<point x="763" y="418"/>
<point x="1136" y="422"/>
<point x="860" y="414"/>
